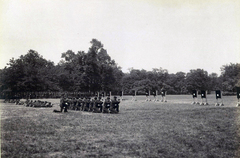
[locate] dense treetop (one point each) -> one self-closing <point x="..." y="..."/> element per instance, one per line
<point x="95" y="71"/>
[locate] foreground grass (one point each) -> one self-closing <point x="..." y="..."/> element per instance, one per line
<point x="139" y="130"/>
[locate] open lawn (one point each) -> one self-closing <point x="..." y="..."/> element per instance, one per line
<point x="141" y="129"/>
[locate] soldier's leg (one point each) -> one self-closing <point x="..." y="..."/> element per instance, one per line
<point x="102" y="108"/>
<point x="117" y="108"/>
<point x="111" y="109"/>
<point x="65" y="109"/>
<point x="94" y="108"/>
<point x="82" y="106"/>
<point x="97" y="108"/>
<point x="90" y="107"/>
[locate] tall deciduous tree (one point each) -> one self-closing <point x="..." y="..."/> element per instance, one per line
<point x="230" y="76"/>
<point x="30" y="72"/>
<point x="197" y="79"/>
<point x="92" y="71"/>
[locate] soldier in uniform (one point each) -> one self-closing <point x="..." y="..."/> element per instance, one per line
<point x="103" y="95"/>
<point x="26" y="103"/>
<point x="92" y="103"/>
<point x="97" y="107"/>
<point x="147" y="96"/>
<point x="106" y="105"/>
<point x="74" y="103"/>
<point x="203" y="96"/>
<point x="238" y="96"/>
<point x="218" y="96"/>
<point x="78" y="104"/>
<point x="38" y="103"/>
<point x="49" y="104"/>
<point x="114" y="108"/>
<point x="121" y="95"/>
<point x="163" y="93"/>
<point x="87" y="102"/>
<point x="134" y="96"/>
<point x="154" y="96"/>
<point x="30" y="103"/>
<point x="82" y="103"/>
<point x="64" y="104"/>
<point x="70" y="104"/>
<point x="194" y="95"/>
<point x="33" y="104"/>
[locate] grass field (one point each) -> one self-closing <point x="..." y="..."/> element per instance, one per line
<point x="141" y="129"/>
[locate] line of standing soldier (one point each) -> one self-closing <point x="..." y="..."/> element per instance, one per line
<point x="97" y="104"/>
<point x="219" y="101"/>
<point x="163" y="94"/>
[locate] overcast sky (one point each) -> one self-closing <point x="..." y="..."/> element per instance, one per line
<point x="143" y="34"/>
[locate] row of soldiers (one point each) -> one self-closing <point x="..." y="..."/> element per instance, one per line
<point x="37" y="103"/>
<point x="97" y="104"/>
<point x="28" y="102"/>
<point x="155" y="94"/>
<point x="12" y="100"/>
<point x="219" y="99"/>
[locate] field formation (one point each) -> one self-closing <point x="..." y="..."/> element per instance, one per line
<point x="141" y="129"/>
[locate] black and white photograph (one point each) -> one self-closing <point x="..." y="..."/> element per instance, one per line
<point x="120" y="78"/>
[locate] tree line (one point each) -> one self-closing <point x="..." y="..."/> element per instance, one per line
<point x="95" y="71"/>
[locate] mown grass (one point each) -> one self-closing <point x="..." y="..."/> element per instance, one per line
<point x="141" y="129"/>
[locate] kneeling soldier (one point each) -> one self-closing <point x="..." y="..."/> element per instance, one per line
<point x="70" y="104"/>
<point x="86" y="104"/>
<point x="106" y="105"/>
<point x="49" y="104"/>
<point x="64" y="105"/>
<point x="27" y="102"/>
<point x="82" y="102"/>
<point x="114" y="108"/>
<point x="78" y="104"/>
<point x="97" y="106"/>
<point x="74" y="103"/>
<point x="92" y="104"/>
